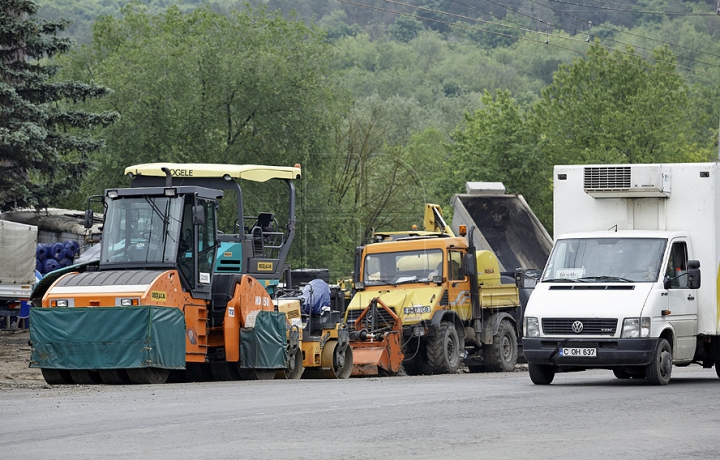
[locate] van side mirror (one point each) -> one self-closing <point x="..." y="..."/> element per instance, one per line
<point x="198" y="213"/>
<point x="693" y="274"/>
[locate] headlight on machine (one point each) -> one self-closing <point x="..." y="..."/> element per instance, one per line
<point x="532" y="327"/>
<point x="635" y="327"/>
<point x="62" y="303"/>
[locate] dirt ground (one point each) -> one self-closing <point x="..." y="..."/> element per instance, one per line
<point x="15" y="361"/>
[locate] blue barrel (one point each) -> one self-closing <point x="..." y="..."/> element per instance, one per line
<point x="50" y="265"/>
<point x="66" y="262"/>
<point x="58" y="251"/>
<point x="41" y="252"/>
<point x="72" y="247"/>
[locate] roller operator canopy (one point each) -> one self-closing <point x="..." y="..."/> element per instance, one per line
<point x="256" y="173"/>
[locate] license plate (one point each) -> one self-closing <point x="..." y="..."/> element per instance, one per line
<point x="579" y="352"/>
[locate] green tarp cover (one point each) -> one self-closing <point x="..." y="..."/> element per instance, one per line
<point x="264" y="346"/>
<point x="107" y="337"/>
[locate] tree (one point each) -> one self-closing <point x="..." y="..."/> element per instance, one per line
<point x="615" y="108"/>
<point x="496" y="144"/>
<point x="250" y="87"/>
<point x="44" y="145"/>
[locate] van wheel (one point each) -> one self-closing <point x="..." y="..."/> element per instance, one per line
<point x="541" y="374"/>
<point x="444" y="350"/>
<point x="658" y="372"/>
<point x="501" y="356"/>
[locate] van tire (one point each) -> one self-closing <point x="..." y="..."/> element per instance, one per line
<point x="541" y="374"/>
<point x="659" y="371"/>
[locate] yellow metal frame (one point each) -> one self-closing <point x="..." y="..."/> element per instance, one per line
<point x="256" y="173"/>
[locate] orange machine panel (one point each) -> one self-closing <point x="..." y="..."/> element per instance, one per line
<point x="250" y="295"/>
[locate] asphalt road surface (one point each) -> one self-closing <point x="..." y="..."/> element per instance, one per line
<point x="583" y="415"/>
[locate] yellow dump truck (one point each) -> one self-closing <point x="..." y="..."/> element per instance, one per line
<point x="443" y="302"/>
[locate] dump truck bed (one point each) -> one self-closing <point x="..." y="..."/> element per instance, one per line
<point x="505" y="225"/>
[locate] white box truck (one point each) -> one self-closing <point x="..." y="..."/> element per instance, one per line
<point x="622" y="288"/>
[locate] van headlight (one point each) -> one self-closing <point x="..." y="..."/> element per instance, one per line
<point x="635" y="327"/>
<point x="532" y="327"/>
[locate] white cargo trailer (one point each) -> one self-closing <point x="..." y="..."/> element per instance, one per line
<point x="622" y="287"/>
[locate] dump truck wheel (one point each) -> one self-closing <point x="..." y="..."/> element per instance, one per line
<point x="83" y="377"/>
<point x="501" y="356"/>
<point x="659" y="370"/>
<point x="541" y="374"/>
<point x="114" y="376"/>
<point x="56" y="377"/>
<point x="417" y="363"/>
<point x="148" y="375"/>
<point x="444" y="350"/>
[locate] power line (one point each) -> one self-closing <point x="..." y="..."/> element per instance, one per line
<point x="662" y="13"/>
<point x="536" y="32"/>
<point x="588" y="24"/>
<point x="462" y="26"/>
<point x="629" y="33"/>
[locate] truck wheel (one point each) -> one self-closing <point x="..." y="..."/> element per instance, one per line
<point x="541" y="374"/>
<point x="658" y="372"/>
<point x="501" y="356"/>
<point x="148" y="375"/>
<point x="717" y="369"/>
<point x="444" y="350"/>
<point x="56" y="376"/>
<point x="417" y="364"/>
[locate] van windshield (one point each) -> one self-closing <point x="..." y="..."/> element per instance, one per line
<point x="602" y="260"/>
<point x="402" y="267"/>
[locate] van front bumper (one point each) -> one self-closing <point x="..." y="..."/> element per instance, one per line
<point x="609" y="352"/>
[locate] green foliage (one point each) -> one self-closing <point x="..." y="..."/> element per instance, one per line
<point x="614" y="108"/>
<point x="247" y="88"/>
<point x="203" y="86"/>
<point x="44" y="144"/>
<point x="336" y="26"/>
<point x="497" y="144"/>
<point x="404" y="29"/>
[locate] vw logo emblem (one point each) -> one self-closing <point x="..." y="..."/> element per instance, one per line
<point x="577" y="327"/>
